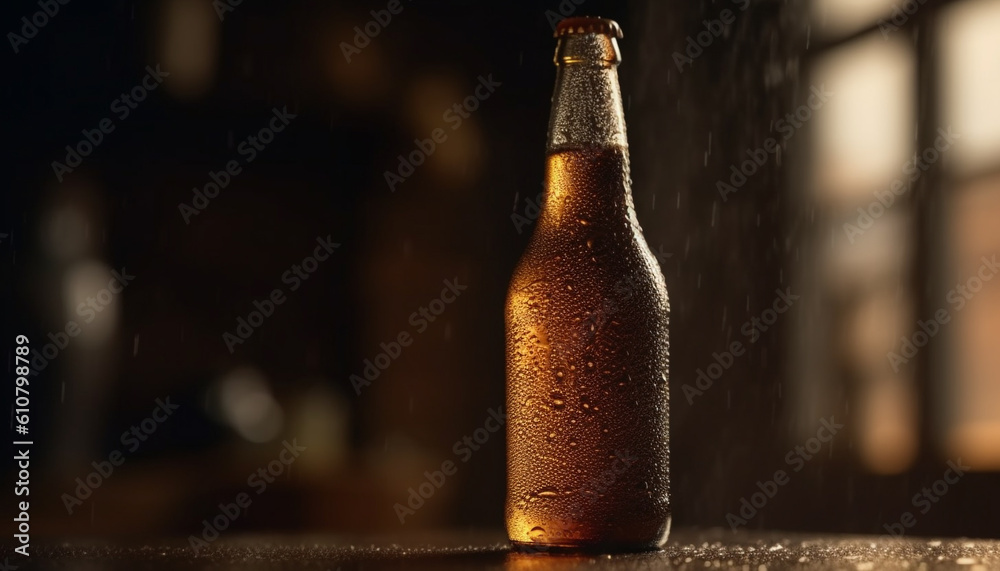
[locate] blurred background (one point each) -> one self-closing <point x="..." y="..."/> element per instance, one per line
<point x="885" y="106"/>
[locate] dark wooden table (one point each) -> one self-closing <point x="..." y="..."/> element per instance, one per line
<point x="688" y="549"/>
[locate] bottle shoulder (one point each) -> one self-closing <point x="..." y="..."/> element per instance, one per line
<point x="601" y="266"/>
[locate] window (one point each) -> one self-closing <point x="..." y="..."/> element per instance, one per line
<point x="904" y="186"/>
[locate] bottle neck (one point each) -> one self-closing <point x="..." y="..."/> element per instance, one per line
<point x="587" y="175"/>
<point x="587" y="102"/>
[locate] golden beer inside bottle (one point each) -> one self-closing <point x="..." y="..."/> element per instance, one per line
<point x="587" y="342"/>
<point x="587" y="363"/>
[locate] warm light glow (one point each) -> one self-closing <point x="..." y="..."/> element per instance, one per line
<point x="864" y="134"/>
<point x="838" y="17"/>
<point x="974" y="385"/>
<point x="869" y="279"/>
<point x="247" y="405"/>
<point x="90" y="303"/>
<point x="881" y="253"/>
<point x="970" y="81"/>
<point x="189" y="45"/>
<point x="873" y="329"/>
<point x="887" y="435"/>
<point x="458" y="160"/>
<point x="977" y="444"/>
<point x="887" y="415"/>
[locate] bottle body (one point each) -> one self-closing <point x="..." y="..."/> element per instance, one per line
<point x="587" y="320"/>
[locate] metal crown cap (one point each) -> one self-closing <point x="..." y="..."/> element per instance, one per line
<point x="588" y="25"/>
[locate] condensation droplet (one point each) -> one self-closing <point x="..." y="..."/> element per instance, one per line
<point x="558" y="401"/>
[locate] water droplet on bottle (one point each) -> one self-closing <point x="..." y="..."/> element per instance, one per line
<point x="537" y="533"/>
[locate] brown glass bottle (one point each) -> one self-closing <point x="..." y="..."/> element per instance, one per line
<point x="587" y="342"/>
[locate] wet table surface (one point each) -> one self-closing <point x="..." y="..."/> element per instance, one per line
<point x="687" y="549"/>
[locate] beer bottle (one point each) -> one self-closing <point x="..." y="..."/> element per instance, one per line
<point x="586" y="331"/>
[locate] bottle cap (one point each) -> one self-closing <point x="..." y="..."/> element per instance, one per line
<point x="588" y="25"/>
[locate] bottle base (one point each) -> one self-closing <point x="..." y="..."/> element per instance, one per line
<point x="632" y="541"/>
<point x="582" y="548"/>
